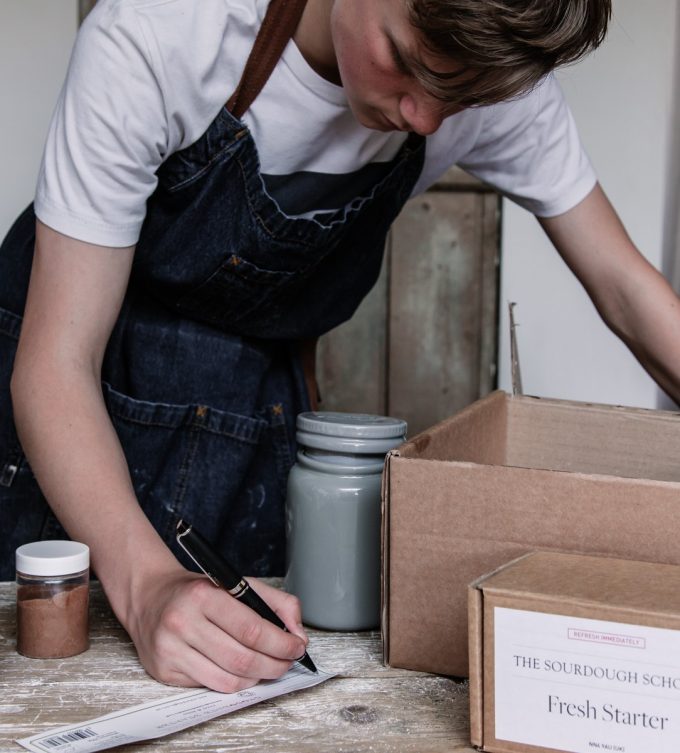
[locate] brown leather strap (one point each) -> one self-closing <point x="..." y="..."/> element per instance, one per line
<point x="307" y="351"/>
<point x="279" y="24"/>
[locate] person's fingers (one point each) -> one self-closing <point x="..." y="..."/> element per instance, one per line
<point x="197" y="670"/>
<point x="234" y="657"/>
<point x="192" y="633"/>
<point x="287" y="606"/>
<point x="250" y="630"/>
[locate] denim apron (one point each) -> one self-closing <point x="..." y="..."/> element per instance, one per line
<point x="202" y="375"/>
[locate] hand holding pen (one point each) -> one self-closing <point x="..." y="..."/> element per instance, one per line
<point x="224" y="576"/>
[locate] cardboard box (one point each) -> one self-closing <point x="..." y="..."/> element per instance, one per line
<point x="506" y="476"/>
<point x="575" y="653"/>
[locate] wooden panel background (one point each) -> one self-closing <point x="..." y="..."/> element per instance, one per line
<point x="423" y="343"/>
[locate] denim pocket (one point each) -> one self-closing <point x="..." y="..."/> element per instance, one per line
<point x="239" y="292"/>
<point x="210" y="467"/>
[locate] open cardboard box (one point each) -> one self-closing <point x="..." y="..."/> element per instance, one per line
<point x="506" y="476"/>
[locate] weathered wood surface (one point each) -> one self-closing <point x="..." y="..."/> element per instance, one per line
<point x="367" y="707"/>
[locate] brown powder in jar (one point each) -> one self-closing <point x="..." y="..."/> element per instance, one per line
<point x="52" y="625"/>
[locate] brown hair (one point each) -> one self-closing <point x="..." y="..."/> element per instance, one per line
<point x="505" y="47"/>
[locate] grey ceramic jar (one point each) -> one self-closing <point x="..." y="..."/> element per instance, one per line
<point x="333" y="517"/>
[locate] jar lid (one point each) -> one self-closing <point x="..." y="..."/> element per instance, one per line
<point x="359" y="425"/>
<point x="357" y="433"/>
<point x="52" y="558"/>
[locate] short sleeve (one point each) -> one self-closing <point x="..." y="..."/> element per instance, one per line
<point x="529" y="150"/>
<point x="107" y="137"/>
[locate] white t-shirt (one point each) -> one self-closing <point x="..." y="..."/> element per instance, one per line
<point x="147" y="77"/>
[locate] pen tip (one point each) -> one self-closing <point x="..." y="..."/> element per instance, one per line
<point x="307" y="662"/>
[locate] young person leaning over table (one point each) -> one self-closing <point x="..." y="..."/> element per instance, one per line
<point x="184" y="250"/>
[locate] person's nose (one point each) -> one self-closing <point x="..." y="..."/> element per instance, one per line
<point x="422" y="114"/>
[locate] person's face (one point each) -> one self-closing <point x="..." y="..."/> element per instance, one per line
<point x="373" y="42"/>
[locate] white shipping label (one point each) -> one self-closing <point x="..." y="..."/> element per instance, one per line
<point x="585" y="686"/>
<point x="164" y="716"/>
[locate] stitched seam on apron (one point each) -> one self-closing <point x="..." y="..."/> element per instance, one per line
<point x="324" y="228"/>
<point x="191" y="425"/>
<point x="245" y="428"/>
<point x="208" y="165"/>
<point x="184" y="471"/>
<point x="258" y="218"/>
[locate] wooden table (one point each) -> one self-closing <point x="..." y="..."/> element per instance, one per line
<point x="367" y="707"/>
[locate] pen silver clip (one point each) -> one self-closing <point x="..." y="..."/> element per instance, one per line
<point x="179" y="538"/>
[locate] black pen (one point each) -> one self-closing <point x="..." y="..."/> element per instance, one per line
<point x="224" y="576"/>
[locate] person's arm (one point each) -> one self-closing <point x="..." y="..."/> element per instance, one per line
<point x="633" y="298"/>
<point x="185" y="630"/>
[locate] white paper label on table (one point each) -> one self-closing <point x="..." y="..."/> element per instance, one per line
<point x="164" y="716"/>
<point x="583" y="685"/>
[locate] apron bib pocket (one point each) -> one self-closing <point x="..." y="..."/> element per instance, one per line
<point x="202" y="464"/>
<point x="236" y="290"/>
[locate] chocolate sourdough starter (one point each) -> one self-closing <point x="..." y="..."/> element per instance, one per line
<point x="52" y="622"/>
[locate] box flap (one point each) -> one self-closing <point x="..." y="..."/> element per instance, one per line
<point x="514" y="353"/>
<point x="561" y="435"/>
<point x="476" y="434"/>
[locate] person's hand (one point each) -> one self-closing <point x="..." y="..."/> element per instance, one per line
<point x="188" y="632"/>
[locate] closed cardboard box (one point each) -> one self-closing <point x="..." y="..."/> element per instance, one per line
<point x="575" y="653"/>
<point x="506" y="476"/>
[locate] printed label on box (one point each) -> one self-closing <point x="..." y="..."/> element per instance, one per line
<point x="584" y="685"/>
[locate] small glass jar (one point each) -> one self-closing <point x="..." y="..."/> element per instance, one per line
<point x="52" y="599"/>
<point x="333" y="517"/>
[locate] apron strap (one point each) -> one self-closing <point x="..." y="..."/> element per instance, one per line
<point x="279" y="24"/>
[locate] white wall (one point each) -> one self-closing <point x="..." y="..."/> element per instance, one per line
<point x="36" y="37"/>
<point x="625" y="100"/>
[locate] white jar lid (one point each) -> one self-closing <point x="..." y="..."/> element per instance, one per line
<point x="52" y="558"/>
